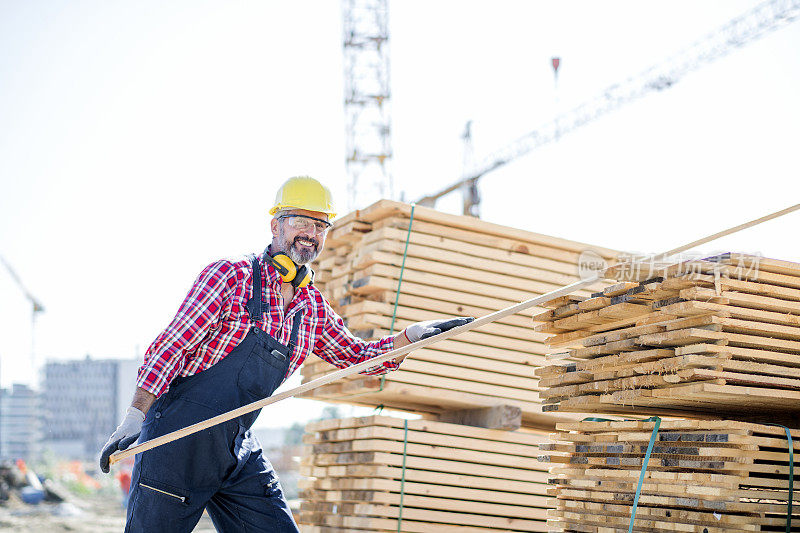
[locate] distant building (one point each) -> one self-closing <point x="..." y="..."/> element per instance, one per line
<point x="20" y="423"/>
<point x="83" y="402"/>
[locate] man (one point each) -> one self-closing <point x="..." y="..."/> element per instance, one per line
<point x="244" y="327"/>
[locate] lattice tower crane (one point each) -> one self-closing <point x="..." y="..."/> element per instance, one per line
<point x="37" y="307"/>
<point x="757" y="22"/>
<point x="367" y="99"/>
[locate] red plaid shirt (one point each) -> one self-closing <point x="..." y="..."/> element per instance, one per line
<point x="213" y="320"/>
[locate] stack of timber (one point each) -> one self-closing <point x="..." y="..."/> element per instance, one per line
<point x="374" y="474"/>
<point x="714" y="337"/>
<point x="455" y="266"/>
<point x="702" y="476"/>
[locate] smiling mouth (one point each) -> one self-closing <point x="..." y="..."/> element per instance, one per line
<point x="306" y="243"/>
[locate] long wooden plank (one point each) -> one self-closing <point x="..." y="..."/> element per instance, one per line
<point x="745" y="354"/>
<point x="448" y="363"/>
<point x="544" y="259"/>
<point x="765" y="264"/>
<point x="418" y="315"/>
<point x="385" y="208"/>
<point x="745" y="523"/>
<point x="470" y="378"/>
<point x="743" y="300"/>
<point x="451" y="365"/>
<point x="456" y="384"/>
<point x="442" y="275"/>
<point x="413" y="293"/>
<point x="414" y="436"/>
<point x="409" y="304"/>
<point x="530" y="437"/>
<point x="417" y="398"/>
<point x="495" y="272"/>
<point x="742" y="273"/>
<point x="369" y="433"/>
<point x="427" y="463"/>
<point x="381" y="277"/>
<point x="411" y="501"/>
<point x="531" y="499"/>
<point x="471" y="337"/>
<point x="668" y="373"/>
<point x="501" y="245"/>
<point x="346" y="448"/>
<point x="446" y="479"/>
<point x="598" y="477"/>
<point x="697" y="335"/>
<point x="425" y="522"/>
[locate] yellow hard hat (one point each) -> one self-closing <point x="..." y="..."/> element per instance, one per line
<point x="303" y="192"/>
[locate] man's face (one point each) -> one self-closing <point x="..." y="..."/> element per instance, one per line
<point x="301" y="245"/>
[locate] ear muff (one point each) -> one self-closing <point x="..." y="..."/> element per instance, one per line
<point x="304" y="277"/>
<point x="298" y="276"/>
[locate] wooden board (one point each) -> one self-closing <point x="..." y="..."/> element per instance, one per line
<point x="447" y="475"/>
<point x="716" y="337"/>
<point x="718" y="475"/>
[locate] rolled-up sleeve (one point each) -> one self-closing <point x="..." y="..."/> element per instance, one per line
<point x="338" y="346"/>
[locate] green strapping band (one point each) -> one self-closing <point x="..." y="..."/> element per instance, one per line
<point x="791" y="477"/>
<point x="396" y="299"/>
<point x="402" y="478"/>
<point x="399" y="283"/>
<point x="646" y="460"/>
<point x="402" y="269"/>
<point x="383" y="378"/>
<point x="791" y="480"/>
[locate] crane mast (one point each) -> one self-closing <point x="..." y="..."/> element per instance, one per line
<point x="36" y="307"/>
<point x="367" y="98"/>
<point x="759" y="21"/>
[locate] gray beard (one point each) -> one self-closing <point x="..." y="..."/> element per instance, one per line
<point x="300" y="257"/>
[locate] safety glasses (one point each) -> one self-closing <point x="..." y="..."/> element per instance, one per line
<point x="305" y="223"/>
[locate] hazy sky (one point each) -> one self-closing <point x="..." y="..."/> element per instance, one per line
<point x="141" y="141"/>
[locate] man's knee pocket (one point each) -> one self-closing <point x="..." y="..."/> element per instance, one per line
<point x="157" y="506"/>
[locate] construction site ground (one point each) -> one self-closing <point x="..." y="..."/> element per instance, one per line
<point x="97" y="513"/>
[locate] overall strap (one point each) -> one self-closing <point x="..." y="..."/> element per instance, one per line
<point x="255" y="306"/>
<point x="298" y="317"/>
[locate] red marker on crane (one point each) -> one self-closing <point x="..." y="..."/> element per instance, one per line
<point x="556" y="61"/>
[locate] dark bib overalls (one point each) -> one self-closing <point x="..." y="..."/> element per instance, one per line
<point x="222" y="468"/>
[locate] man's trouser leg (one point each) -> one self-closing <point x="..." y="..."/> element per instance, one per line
<point x="252" y="500"/>
<point x="222" y="469"/>
<point x="172" y="483"/>
<point x="157" y="507"/>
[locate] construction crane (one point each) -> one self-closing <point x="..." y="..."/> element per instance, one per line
<point x="470" y="189"/>
<point x="367" y="99"/>
<point x="37" y="307"/>
<point x="757" y="22"/>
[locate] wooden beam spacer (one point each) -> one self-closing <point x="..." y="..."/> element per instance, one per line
<point x="507" y="417"/>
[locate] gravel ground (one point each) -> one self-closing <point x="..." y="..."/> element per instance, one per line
<point x="89" y="515"/>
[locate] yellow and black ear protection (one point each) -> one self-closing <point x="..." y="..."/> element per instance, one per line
<point x="299" y="277"/>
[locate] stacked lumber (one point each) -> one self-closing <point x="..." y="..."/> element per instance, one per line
<point x="716" y="337"/>
<point x="703" y="476"/>
<point x="455" y="266"/>
<point x="449" y="478"/>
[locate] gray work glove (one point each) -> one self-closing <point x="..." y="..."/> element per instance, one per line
<point x="429" y="328"/>
<point x="125" y="435"/>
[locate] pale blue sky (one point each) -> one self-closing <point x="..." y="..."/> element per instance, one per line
<point x="140" y="141"/>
